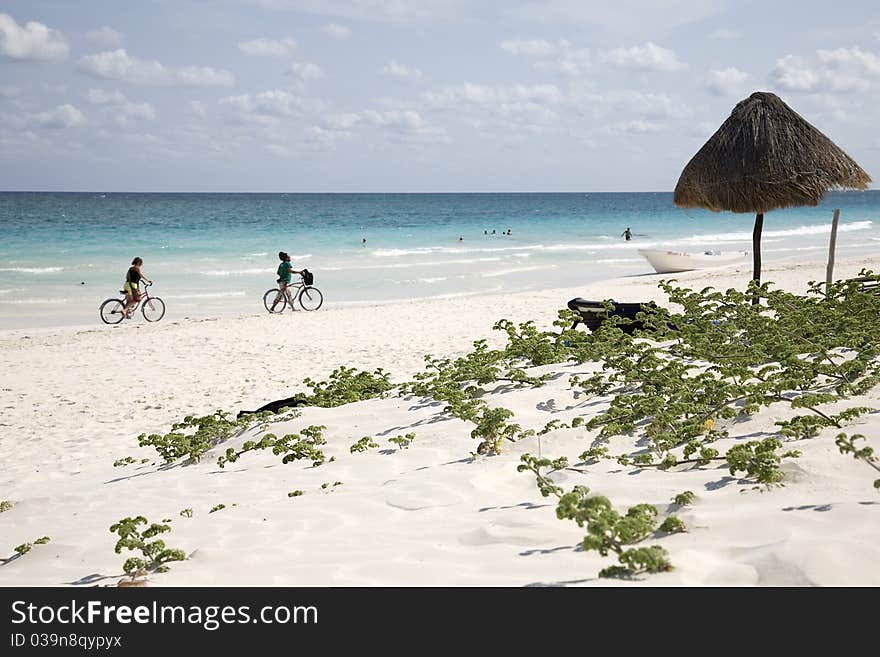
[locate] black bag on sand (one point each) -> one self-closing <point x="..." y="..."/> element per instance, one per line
<point x="308" y="277"/>
<point x="275" y="406"/>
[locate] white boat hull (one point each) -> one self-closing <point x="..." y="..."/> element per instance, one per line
<point x="667" y="262"/>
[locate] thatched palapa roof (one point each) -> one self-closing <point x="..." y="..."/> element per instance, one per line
<point x="765" y="156"/>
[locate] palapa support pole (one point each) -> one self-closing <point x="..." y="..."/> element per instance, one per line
<point x="829" y="272"/>
<point x="756" y="251"/>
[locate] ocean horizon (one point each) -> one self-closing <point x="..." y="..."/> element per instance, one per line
<point x="213" y="254"/>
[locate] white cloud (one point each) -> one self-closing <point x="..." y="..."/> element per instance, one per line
<point x="122" y="110"/>
<point x="633" y="127"/>
<point x="850" y="57"/>
<point x="266" y="107"/>
<point x="649" y="57"/>
<point x="105" y="37"/>
<point x="726" y="82"/>
<point x="631" y="104"/>
<point x="391" y="11"/>
<point x="279" y="150"/>
<point x="337" y="31"/>
<point x="842" y="69"/>
<point x="342" y="121"/>
<point x="560" y="56"/>
<point x="500" y="108"/>
<point x="791" y="73"/>
<point x="305" y="71"/>
<point x="530" y="47"/>
<point x="119" y="65"/>
<point x="101" y="97"/>
<point x="478" y="94"/>
<point x="405" y="126"/>
<point x="63" y="116"/>
<point x="9" y="91"/>
<point x="395" y="70"/>
<point x="196" y="108"/>
<point x="34" y="41"/>
<point x="135" y="111"/>
<point x="407" y="119"/>
<point x="724" y="34"/>
<point x="144" y="139"/>
<point x="268" y="47"/>
<point x="622" y="16"/>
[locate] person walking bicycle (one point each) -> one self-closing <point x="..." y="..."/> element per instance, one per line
<point x="285" y="270"/>
<point x="288" y="293"/>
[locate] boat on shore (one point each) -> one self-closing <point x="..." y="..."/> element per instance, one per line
<point x="665" y="262"/>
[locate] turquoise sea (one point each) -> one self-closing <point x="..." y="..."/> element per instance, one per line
<point x="61" y="254"/>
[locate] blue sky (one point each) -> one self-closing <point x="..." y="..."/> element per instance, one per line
<point x="428" y="95"/>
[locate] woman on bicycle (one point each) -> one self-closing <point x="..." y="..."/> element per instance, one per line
<point x="132" y="286"/>
<point x="285" y="269"/>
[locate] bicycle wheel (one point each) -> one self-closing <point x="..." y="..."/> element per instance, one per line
<point x="111" y="311"/>
<point x="274" y="300"/>
<point x="153" y="309"/>
<point x="310" y="298"/>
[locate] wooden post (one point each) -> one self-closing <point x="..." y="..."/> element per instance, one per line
<point x="829" y="272"/>
<point x="756" y="251"/>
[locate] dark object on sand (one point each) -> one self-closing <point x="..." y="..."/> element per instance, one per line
<point x="593" y="313"/>
<point x="275" y="406"/>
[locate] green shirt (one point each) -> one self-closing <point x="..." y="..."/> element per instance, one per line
<point x="284" y="270"/>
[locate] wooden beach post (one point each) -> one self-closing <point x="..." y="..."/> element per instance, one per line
<point x="832" y="245"/>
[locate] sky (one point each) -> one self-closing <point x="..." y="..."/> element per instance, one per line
<point x="413" y="96"/>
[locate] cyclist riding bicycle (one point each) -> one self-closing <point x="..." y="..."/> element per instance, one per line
<point x="131" y="287"/>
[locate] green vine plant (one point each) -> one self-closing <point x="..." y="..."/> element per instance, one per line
<point x="554" y="425"/>
<point x="293" y="446"/>
<point x="296" y="493"/>
<point x="684" y="498"/>
<point x="847" y="445"/>
<point x="186" y="513"/>
<point x="722" y="359"/>
<point x="219" y="507"/>
<point x="194" y="436"/>
<point x="459" y="382"/>
<point x="403" y="442"/>
<point x="493" y="429"/>
<point x="328" y="486"/>
<point x="5" y="505"/>
<point x="758" y="459"/>
<point x="608" y="531"/>
<point x="347" y="385"/>
<point x="121" y="463"/>
<point x="364" y="444"/>
<point x="24" y="548"/>
<point x="154" y="554"/>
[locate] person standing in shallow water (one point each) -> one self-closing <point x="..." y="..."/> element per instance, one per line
<point x="627" y="234"/>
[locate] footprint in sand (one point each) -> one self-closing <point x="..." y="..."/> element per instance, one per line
<point x="417" y="496"/>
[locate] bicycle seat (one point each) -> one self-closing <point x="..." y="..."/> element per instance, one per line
<point x="121" y="291"/>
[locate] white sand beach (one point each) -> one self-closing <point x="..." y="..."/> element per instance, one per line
<point x="73" y="400"/>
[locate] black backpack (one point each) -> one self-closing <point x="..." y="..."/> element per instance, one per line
<point x="308" y="277"/>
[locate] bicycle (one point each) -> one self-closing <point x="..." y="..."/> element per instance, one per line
<point x="275" y="300"/>
<point x="152" y="308"/>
